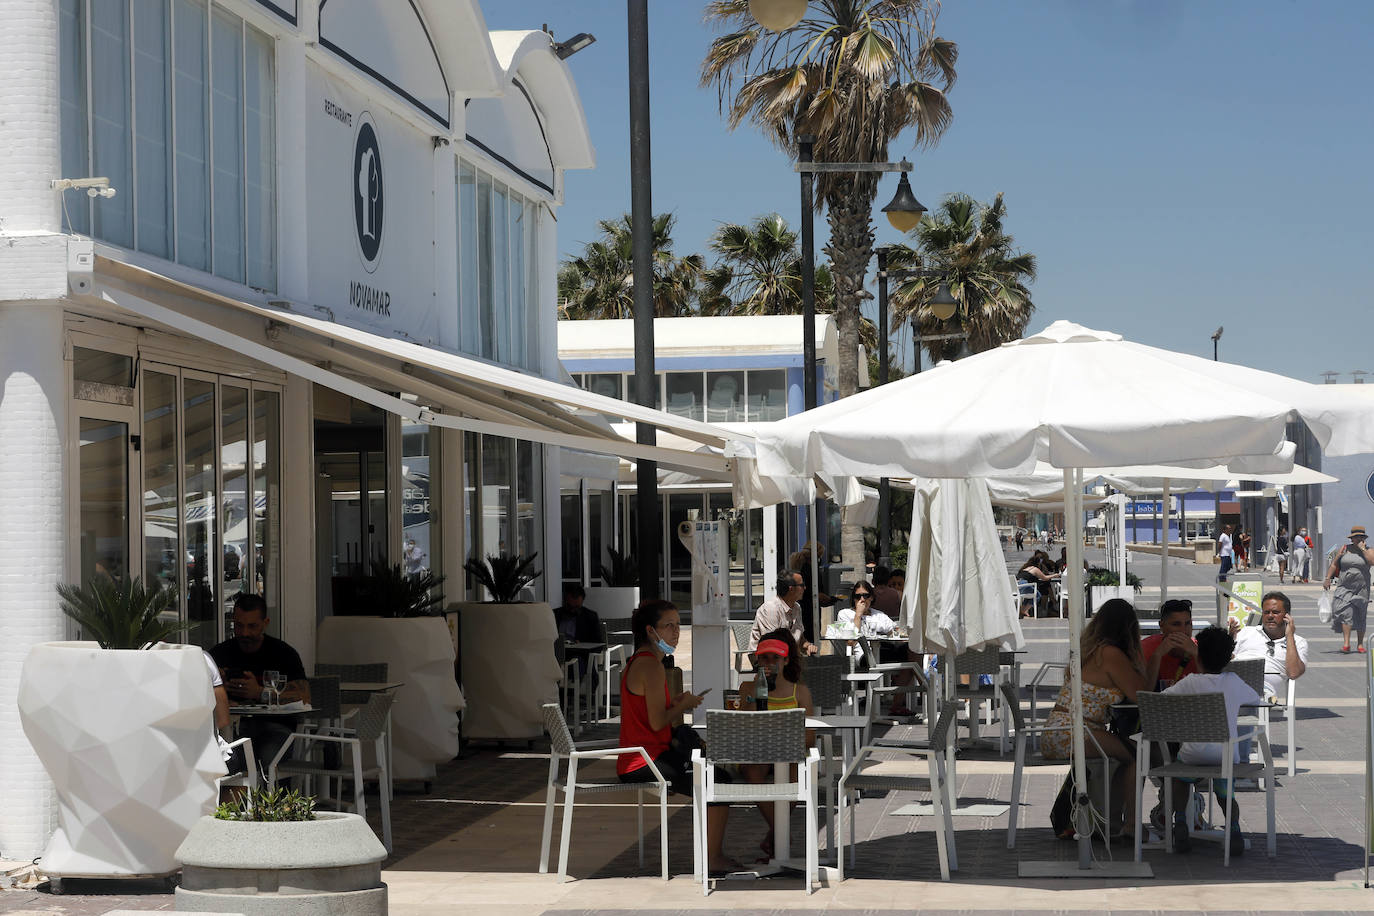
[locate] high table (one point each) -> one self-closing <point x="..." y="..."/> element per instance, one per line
<point x="582" y="652"/>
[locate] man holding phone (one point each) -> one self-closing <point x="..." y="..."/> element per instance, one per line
<point x="1274" y="640"/>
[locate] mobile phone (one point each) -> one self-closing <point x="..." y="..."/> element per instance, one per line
<point x="704" y="692"/>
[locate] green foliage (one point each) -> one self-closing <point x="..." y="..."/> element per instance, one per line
<point x="504" y="575"/>
<point x="599" y="283"/>
<point x="397" y="594"/>
<point x="264" y="804"/>
<point x="1098" y="575"/>
<point x="623" y="571"/>
<point x="122" y="614"/>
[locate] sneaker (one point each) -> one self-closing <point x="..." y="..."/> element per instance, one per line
<point x="1237" y="842"/>
<point x="1182" y="842"/>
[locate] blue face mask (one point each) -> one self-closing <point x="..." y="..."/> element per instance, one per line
<point x="663" y="646"/>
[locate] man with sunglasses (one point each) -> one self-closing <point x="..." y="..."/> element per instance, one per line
<point x="1274" y="640"/>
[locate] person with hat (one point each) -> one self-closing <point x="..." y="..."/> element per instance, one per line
<point x="779" y="663"/>
<point x="1349" y="571"/>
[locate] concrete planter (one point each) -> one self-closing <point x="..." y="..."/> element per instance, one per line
<point x="509" y="669"/>
<point x="419" y="653"/>
<point x="331" y="866"/>
<point x="127" y="738"/>
<point x="1100" y="594"/>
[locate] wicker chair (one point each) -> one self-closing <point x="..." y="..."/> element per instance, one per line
<point x="371" y="728"/>
<point x="562" y="747"/>
<point x="1201" y="718"/>
<point x="974" y="663"/>
<point x="1251" y="671"/>
<point x="777" y="737"/>
<point x="740" y="632"/>
<point x="610" y="662"/>
<point x="935" y="779"/>
<point x="369" y="673"/>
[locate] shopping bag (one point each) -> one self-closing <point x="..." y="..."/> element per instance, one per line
<point x="1324" y="607"/>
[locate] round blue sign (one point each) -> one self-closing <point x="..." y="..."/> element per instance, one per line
<point x="1369" y="488"/>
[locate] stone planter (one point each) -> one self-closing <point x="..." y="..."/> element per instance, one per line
<point x="419" y="653"/>
<point x="127" y="738"/>
<point x="325" y="867"/>
<point x="509" y="669"/>
<point x="1099" y="594"/>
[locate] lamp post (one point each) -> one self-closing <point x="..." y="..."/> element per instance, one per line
<point x="1216" y="337"/>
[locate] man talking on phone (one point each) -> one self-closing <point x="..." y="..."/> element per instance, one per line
<point x="1274" y="640"/>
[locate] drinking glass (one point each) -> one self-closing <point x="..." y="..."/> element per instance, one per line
<point x="271" y="686"/>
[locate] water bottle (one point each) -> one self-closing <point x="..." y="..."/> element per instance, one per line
<point x="760" y="691"/>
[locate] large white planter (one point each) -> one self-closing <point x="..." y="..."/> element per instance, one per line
<point x="127" y="738"/>
<point x="509" y="669"/>
<point x="613" y="602"/>
<point x="1101" y="594"/>
<point x="325" y="867"/>
<point x="418" y="652"/>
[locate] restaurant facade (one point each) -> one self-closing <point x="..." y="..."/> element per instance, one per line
<point x="311" y="330"/>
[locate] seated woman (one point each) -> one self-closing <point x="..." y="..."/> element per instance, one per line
<point x="1033" y="571"/>
<point x="1113" y="671"/>
<point x="647" y="713"/>
<point x="780" y="664"/>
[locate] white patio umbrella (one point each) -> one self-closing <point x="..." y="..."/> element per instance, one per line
<point x="1074" y="398"/>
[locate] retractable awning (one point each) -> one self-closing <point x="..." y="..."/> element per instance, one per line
<point x="451" y="391"/>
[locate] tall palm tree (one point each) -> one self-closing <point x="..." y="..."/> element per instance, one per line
<point x="758" y="271"/>
<point x="854" y="74"/>
<point x="599" y="283"/>
<point x="964" y="242"/>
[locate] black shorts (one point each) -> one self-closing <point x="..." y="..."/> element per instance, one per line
<point x="676" y="767"/>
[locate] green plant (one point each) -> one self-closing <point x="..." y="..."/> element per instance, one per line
<point x="122" y="614"/>
<point x="264" y="804"/>
<point x="504" y="575"/>
<point x="623" y="571"/>
<point x="397" y="594"/>
<point x="1101" y="576"/>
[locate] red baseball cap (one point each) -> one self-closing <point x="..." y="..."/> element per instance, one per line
<point x="772" y="647"/>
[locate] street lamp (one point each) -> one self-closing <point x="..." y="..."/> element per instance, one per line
<point x="1216" y="337"/>
<point x="777" y="15"/>
<point x="904" y="212"/>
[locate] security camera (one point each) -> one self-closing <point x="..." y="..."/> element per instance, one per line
<point x="100" y="192"/>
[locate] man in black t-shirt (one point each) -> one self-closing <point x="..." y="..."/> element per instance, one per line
<point x="243" y="658"/>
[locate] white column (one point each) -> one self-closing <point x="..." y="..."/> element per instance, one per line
<point x="32" y="400"/>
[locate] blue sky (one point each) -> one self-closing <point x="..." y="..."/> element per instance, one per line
<point x="1173" y="165"/>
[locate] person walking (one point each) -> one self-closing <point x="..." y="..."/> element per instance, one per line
<point x="1301" y="546"/>
<point x="1281" y="550"/>
<point x="1349" y="571"/>
<point x="1224" y="552"/>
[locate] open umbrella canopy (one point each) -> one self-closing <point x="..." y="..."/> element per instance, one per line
<point x="1070" y="397"/>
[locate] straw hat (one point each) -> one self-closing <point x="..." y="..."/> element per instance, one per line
<point x="1356" y="531"/>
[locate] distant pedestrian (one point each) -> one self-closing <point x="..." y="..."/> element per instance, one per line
<point x="1224" y="551"/>
<point x="1350" y="571"/>
<point x="1020" y="539"/>
<point x="1301" y="549"/>
<point x="1281" y="549"/>
<point x="1242" y="550"/>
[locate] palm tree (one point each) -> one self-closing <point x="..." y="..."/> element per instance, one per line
<point x="855" y="74"/>
<point x="758" y="271"/>
<point x="599" y="283"/>
<point x="964" y="243"/>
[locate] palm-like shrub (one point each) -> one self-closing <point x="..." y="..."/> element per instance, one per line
<point x="123" y="614"/>
<point x="503" y="575"/>
<point x="264" y="804"/>
<point x="393" y="593"/>
<point x="623" y="571"/>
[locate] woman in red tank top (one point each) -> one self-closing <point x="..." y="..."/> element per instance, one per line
<point x="648" y="711"/>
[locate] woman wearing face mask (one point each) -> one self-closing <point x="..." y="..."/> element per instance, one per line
<point x="647" y="713"/>
<point x="779" y="663"/>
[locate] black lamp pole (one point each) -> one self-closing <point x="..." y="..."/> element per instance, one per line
<point x="884" y="487"/>
<point x="649" y="540"/>
<point x="808" y="273"/>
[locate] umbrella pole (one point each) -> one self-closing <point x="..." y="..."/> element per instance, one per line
<point x="1074" y="519"/>
<point x="1164" y="551"/>
<point x="811" y="513"/>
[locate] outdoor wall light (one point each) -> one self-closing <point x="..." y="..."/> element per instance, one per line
<point x="566" y="49"/>
<point x="943" y="304"/>
<point x="777" y="15"/>
<point x="904" y="212"/>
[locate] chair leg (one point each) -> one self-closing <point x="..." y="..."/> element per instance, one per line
<point x="383" y="780"/>
<point x="1018" y="766"/>
<point x="812" y="853"/>
<point x="1290" y="713"/>
<point x="548" y="814"/>
<point x="941" y="814"/>
<point x="359" y="804"/>
<point x="839" y="831"/>
<point x="663" y="829"/>
<point x="639" y="821"/>
<point x="569" y="794"/>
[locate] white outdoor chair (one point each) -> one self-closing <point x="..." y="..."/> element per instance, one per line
<point x="935" y="779"/>
<point x="610" y="662"/>
<point x="371" y="729"/>
<point x="974" y="663"/>
<point x="562" y="747"/>
<point x="1195" y="717"/>
<point x="1288" y="707"/>
<point x="619" y="648"/>
<point x="775" y="737"/>
<point x="248" y="779"/>
<point x="741" y="665"/>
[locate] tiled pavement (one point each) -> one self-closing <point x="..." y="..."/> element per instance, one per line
<point x="471" y="845"/>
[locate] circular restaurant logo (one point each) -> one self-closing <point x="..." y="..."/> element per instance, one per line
<point x="1369" y="487"/>
<point x="367" y="192"/>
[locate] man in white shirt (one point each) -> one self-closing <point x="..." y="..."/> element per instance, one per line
<point x="1214" y="649"/>
<point x="1224" y="552"/>
<point x="1276" y="641"/>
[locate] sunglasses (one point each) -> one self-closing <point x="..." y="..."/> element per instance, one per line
<point x="858" y="595"/>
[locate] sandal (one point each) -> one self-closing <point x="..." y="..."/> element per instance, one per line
<point x="1345" y="650"/>
<point x="1359" y="648"/>
<point x="1067" y="835"/>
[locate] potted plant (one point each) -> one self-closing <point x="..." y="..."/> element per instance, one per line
<point x="271" y="852"/>
<point x="509" y="668"/>
<point x="409" y="633"/>
<point x="126" y="735"/>
<point x="618" y="595"/>
<point x="1104" y="584"/>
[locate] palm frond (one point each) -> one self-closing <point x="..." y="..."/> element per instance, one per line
<point x="504" y="575"/>
<point x="122" y="614"/>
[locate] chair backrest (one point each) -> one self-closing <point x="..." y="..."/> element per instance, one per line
<point x="368" y="673"/>
<point x="1018" y="720"/>
<point x="824" y="676"/>
<point x="741" y="630"/>
<point x="560" y="652"/>
<point x="324" y="696"/>
<point x="775" y="736"/>
<point x="560" y="739"/>
<point x="618" y="632"/>
<point x="943" y="722"/>
<point x="986" y="660"/>
<point x="1183" y="717"/>
<point x="372" y="717"/>
<point x="870" y="650"/>
<point x="1249" y="670"/>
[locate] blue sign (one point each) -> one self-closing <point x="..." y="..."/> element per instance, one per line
<point x="1369" y="487"/>
<point x="1150" y="508"/>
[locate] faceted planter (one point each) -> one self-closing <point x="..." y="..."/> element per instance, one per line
<point x="330" y="866"/>
<point x="127" y="738"/>
<point x="418" y="652"/>
<point x="509" y="668"/>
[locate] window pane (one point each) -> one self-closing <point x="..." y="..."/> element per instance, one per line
<point x="104" y="499"/>
<point x="497" y="496"/>
<point x="227" y="110"/>
<point x="518" y="318"/>
<point x="102" y="368"/>
<point x="767" y="394"/>
<point x="192" y="136"/>
<point x="487" y="332"/>
<point x="527" y="498"/>
<point x="685" y="394"/>
<point x="161" y="558"/>
<point x="530" y="320"/>
<point x="606" y="383"/>
<point x="498" y="347"/>
<point x="469" y="328"/>
<point x="199" y="466"/>
<point x="152" y="127"/>
<point x="72" y="65"/>
<point x="236" y="554"/>
<point x="114" y="217"/>
<point x="570" y="525"/>
<point x="416" y="528"/>
<point x="599" y="531"/>
<point x="267" y="500"/>
<point x="259" y="145"/>
<point x="724" y="397"/>
<point x="472" y="506"/>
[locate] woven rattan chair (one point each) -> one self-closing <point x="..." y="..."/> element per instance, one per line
<point x="562" y="747"/>
<point x="368" y="673"/>
<point x="777" y="737"/>
<point x="1195" y="717"/>
<point x="974" y="663"/>
<point x="1249" y="670"/>
<point x="371" y="728"/>
<point x="935" y="780"/>
<point x="739" y="632"/>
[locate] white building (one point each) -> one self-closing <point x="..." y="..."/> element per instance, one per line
<point x="313" y="328"/>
